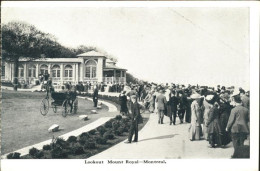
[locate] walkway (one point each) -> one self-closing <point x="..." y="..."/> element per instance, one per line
<point x="165" y="142"/>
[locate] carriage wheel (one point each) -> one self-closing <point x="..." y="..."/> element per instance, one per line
<point x="65" y="108"/>
<point x="54" y="108"/>
<point x="44" y="107"/>
<point x="75" y="106"/>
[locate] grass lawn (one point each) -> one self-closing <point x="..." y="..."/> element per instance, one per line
<point x="22" y="123"/>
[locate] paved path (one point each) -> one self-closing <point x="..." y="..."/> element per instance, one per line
<point x="165" y="142"/>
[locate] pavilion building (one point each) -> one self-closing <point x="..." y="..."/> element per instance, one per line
<point x="90" y="67"/>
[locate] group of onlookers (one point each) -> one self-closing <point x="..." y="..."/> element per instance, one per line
<point x="216" y="115"/>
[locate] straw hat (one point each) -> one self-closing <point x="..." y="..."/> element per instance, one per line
<point x="195" y="96"/>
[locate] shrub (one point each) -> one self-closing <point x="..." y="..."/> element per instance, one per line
<point x="101" y="140"/>
<point x="58" y="153"/>
<point x="14" y="155"/>
<point x="115" y="125"/>
<point x="39" y="155"/>
<point x="117" y="133"/>
<point x="46" y="147"/>
<point x="90" y="145"/>
<point x="84" y="134"/>
<point x="76" y="150"/>
<point x="82" y="140"/>
<point x="101" y="130"/>
<point x="122" y="129"/>
<point x="109" y="135"/>
<point x="33" y="151"/>
<point x="60" y="142"/>
<point x="126" y="120"/>
<point x="118" y="117"/>
<point x="108" y="124"/>
<point x="72" y="139"/>
<point x="92" y="132"/>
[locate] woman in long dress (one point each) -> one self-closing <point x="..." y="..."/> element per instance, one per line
<point x="224" y="109"/>
<point x="123" y="103"/>
<point x="214" y="130"/>
<point x="195" y="130"/>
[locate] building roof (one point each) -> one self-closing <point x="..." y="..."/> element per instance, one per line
<point x="91" y="53"/>
<point x="109" y="67"/>
<point x="77" y="60"/>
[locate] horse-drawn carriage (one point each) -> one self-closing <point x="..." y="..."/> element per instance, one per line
<point x="67" y="100"/>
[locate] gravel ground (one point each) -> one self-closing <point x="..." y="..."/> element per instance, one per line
<point x="23" y="125"/>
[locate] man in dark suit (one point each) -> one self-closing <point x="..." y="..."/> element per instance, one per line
<point x="174" y="101"/>
<point x="95" y="96"/>
<point x="161" y="103"/>
<point x="135" y="115"/>
<point x="238" y="123"/>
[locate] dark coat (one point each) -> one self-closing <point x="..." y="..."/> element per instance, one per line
<point x="135" y="109"/>
<point x="123" y="103"/>
<point x="224" y="110"/>
<point x="174" y="101"/>
<point x="95" y="94"/>
<point x="213" y="121"/>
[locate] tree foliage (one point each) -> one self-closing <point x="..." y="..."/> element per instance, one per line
<point x="20" y="39"/>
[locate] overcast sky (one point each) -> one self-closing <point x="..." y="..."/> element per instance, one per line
<point x="182" y="45"/>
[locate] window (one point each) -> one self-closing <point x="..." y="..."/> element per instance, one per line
<point x="91" y="69"/>
<point x="44" y="69"/>
<point x="32" y="71"/>
<point x="56" y="71"/>
<point x="20" y="71"/>
<point x="3" y="69"/>
<point x="68" y="71"/>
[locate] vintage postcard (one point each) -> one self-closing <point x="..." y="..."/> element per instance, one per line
<point x="129" y="85"/>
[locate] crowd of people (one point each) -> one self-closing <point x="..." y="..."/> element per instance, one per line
<point x="102" y="87"/>
<point x="218" y="115"/>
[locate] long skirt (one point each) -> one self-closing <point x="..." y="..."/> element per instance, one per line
<point x="195" y="132"/>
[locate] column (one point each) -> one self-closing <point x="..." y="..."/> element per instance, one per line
<point x="25" y="72"/>
<point x="74" y="72"/>
<point x="61" y="73"/>
<point x="82" y="71"/>
<point x="77" y="72"/>
<point x="100" y="70"/>
<point x="37" y="71"/>
<point x="12" y="72"/>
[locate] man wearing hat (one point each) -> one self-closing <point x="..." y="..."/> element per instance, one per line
<point x="135" y="115"/>
<point x="244" y="99"/>
<point x="161" y="103"/>
<point x="238" y="123"/>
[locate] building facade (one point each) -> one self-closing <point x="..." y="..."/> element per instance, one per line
<point x="89" y="67"/>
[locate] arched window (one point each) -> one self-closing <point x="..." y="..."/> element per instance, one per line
<point x="68" y="71"/>
<point x="44" y="69"/>
<point x="32" y="71"/>
<point x="20" y="71"/>
<point x="91" y="69"/>
<point x="56" y="71"/>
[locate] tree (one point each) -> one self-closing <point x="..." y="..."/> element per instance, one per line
<point x="22" y="40"/>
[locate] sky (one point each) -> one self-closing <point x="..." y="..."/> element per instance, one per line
<point x="204" y="45"/>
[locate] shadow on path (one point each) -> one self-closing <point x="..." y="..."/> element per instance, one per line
<point x="160" y="137"/>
